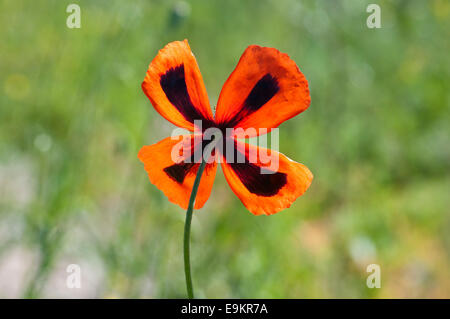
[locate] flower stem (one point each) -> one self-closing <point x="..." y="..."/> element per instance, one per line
<point x="187" y="231"/>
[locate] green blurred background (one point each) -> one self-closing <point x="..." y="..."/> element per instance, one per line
<point x="376" y="137"/>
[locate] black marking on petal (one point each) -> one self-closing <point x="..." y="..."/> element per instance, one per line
<point x="173" y="83"/>
<point x="257" y="183"/>
<point x="178" y="172"/>
<point x="261" y="93"/>
<point x="260" y="184"/>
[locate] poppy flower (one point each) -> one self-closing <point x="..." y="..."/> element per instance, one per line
<point x="265" y="89"/>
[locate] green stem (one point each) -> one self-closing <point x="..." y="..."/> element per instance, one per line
<point x="187" y="231"/>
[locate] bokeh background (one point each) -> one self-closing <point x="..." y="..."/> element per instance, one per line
<point x="376" y="137"/>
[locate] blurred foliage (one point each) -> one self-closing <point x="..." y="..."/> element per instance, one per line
<point x="376" y="137"/>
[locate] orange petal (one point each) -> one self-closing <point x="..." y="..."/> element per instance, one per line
<point x="174" y="178"/>
<point x="175" y="86"/>
<point x="266" y="193"/>
<point x="265" y="89"/>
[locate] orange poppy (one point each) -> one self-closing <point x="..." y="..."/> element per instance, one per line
<point x="265" y="89"/>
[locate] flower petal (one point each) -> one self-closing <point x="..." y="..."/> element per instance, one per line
<point x="264" y="90"/>
<point x="266" y="193"/>
<point x="175" y="86"/>
<point x="174" y="178"/>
